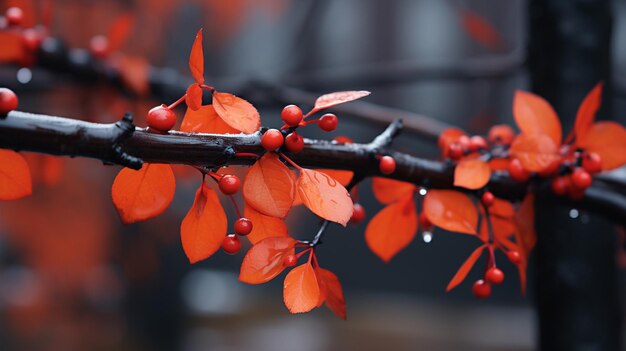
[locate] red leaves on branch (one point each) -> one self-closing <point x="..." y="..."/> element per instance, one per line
<point x="269" y="186"/>
<point x="237" y="112"/>
<point x="193" y="97"/>
<point x="586" y="114"/>
<point x="204" y="227"/>
<point x="264" y="261"/>
<point x="143" y="194"/>
<point x="472" y="174"/>
<point x="393" y="228"/>
<point x="301" y="292"/>
<point x="15" y="178"/>
<point x="387" y="191"/>
<point x="535" y="151"/>
<point x="331" y="292"/>
<point x="205" y="120"/>
<point x="533" y="115"/>
<point x="466" y="267"/>
<point x="324" y="196"/>
<point x="451" y="210"/>
<point x="264" y="226"/>
<point x="196" y="59"/>
<point x="607" y="139"/>
<point x="334" y="99"/>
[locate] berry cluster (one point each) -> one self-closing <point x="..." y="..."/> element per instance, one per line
<point x="493" y="275"/>
<point x="229" y="185"/>
<point x="574" y="172"/>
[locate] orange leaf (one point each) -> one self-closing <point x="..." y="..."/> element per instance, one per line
<point x="502" y="208"/>
<point x="387" y="191"/>
<point x="204" y="227"/>
<point x="12" y="47"/>
<point x="119" y="31"/>
<point x="263" y="226"/>
<point x="525" y="235"/>
<point x="325" y="196"/>
<point x="451" y="210"/>
<point x="269" y="186"/>
<point x="472" y="174"/>
<point x="340" y="97"/>
<point x="135" y="73"/>
<point x="237" y="112"/>
<point x="205" y="120"/>
<point x="333" y="292"/>
<point x="196" y="59"/>
<point x="535" y="151"/>
<point x="607" y="139"/>
<point x="392" y="229"/>
<point x="146" y="193"/>
<point x="465" y="268"/>
<point x="343" y="177"/>
<point x="587" y="111"/>
<point x="264" y="261"/>
<point x="193" y="97"/>
<point x="15" y="179"/>
<point x="480" y="30"/>
<point x="301" y="291"/>
<point x="533" y="114"/>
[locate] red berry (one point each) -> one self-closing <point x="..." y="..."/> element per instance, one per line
<point x="14" y="16"/>
<point x="514" y="256"/>
<point x="243" y="226"/>
<point x="99" y="46"/>
<point x="358" y="215"/>
<point x="560" y="185"/>
<point x="161" y="118"/>
<point x="231" y="244"/>
<point x="488" y="198"/>
<point x="517" y="171"/>
<point x="592" y="162"/>
<point x="455" y="151"/>
<point x="494" y="276"/>
<point x="501" y="134"/>
<point x="477" y="143"/>
<point x="290" y="260"/>
<point x="294" y="142"/>
<point x="291" y="115"/>
<point x="387" y="165"/>
<point x="272" y="139"/>
<point x="581" y="179"/>
<point x="328" y="122"/>
<point x="425" y="223"/>
<point x="481" y="289"/>
<point x="465" y="142"/>
<point x="229" y="184"/>
<point x="31" y="39"/>
<point x="8" y="101"/>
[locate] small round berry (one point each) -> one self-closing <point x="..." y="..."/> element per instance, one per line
<point x="455" y="151"/>
<point x="358" y="215"/>
<point x="229" y="184"/>
<point x="501" y="134"/>
<point x="31" y="39"/>
<point x="581" y="179"/>
<point x="243" y="226"/>
<point x="387" y="165"/>
<point x="328" y="122"/>
<point x="291" y="115"/>
<point x="161" y="118"/>
<point x="99" y="46"/>
<point x="477" y="143"/>
<point x="592" y="162"/>
<point x="294" y="142"/>
<point x="290" y="260"/>
<point x="487" y="199"/>
<point x="8" y="101"/>
<point x="494" y="276"/>
<point x="514" y="256"/>
<point x="231" y="244"/>
<point x="465" y="142"/>
<point x="272" y="139"/>
<point x="560" y="185"/>
<point x="481" y="289"/>
<point x="517" y="171"/>
<point x="14" y="16"/>
<point x="425" y="223"/>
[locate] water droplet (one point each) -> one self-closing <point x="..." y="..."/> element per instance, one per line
<point x="423" y="191"/>
<point x="427" y="236"/>
<point x="24" y="75"/>
<point x="573" y="213"/>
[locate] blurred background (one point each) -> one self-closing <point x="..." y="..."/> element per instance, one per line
<point x="72" y="277"/>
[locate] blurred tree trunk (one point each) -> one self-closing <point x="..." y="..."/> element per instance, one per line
<point x="576" y="280"/>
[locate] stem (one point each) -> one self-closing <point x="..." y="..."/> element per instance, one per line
<point x="177" y="102"/>
<point x="318" y="237"/>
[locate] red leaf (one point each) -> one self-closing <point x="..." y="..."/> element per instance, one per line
<point x="12" y="47"/>
<point x="333" y="292"/>
<point x="204" y="227"/>
<point x="119" y="31"/>
<point x="465" y="268"/>
<point x="472" y="174"/>
<point x="143" y="194"/>
<point x="205" y="120"/>
<point x="533" y="114"/>
<point x="535" y="151"/>
<point x="325" y="196"/>
<point x="525" y="235"/>
<point x="263" y="226"/>
<point x="480" y="30"/>
<point x="264" y="261"/>
<point x="301" y="291"/>
<point x="269" y="186"/>
<point x="340" y="97"/>
<point x="237" y="112"/>
<point x="135" y="73"/>
<point x="343" y="177"/>
<point x="193" y="97"/>
<point x="392" y="229"/>
<point x="451" y="210"/>
<point x="196" y="59"/>
<point x="387" y="191"/>
<point x="15" y="179"/>
<point x="587" y="111"/>
<point x="607" y="139"/>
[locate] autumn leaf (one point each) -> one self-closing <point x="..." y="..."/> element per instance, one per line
<point x="392" y="229"/>
<point x="586" y="114"/>
<point x="324" y="196"/>
<point x="264" y="261"/>
<point x="466" y="267"/>
<point x="12" y="47"/>
<point x="334" y="99"/>
<point x="333" y="292"/>
<point x="607" y="139"/>
<point x="472" y="174"/>
<point x="387" y="191"/>
<point x="525" y="235"/>
<point x="205" y="120"/>
<point x="451" y="210"/>
<point x="135" y="72"/>
<point x="269" y="186"/>
<point x="480" y="30"/>
<point x="263" y="226"/>
<point x="204" y="227"/>
<point x="143" y="194"/>
<point x="237" y="112"/>
<point x="301" y="290"/>
<point x="533" y="115"/>
<point x="535" y="151"/>
<point x="15" y="178"/>
<point x="119" y="31"/>
<point x="193" y="97"/>
<point x="343" y="177"/>
<point x="196" y="59"/>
